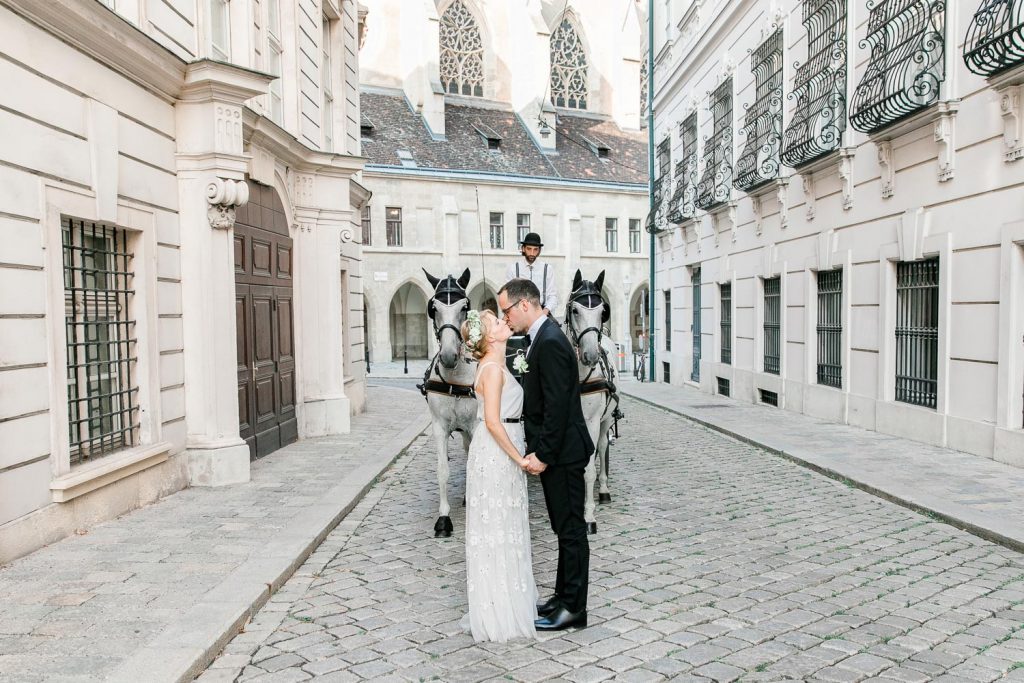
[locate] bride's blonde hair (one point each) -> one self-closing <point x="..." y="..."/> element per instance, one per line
<point x="475" y="330"/>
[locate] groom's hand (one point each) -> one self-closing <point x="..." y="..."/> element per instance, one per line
<point x="534" y="465"/>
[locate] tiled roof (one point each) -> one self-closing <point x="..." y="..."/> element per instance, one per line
<point x="396" y="128"/>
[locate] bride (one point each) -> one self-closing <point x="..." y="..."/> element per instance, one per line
<point x="499" y="567"/>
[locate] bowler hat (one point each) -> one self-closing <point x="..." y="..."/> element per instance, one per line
<point x="532" y="239"/>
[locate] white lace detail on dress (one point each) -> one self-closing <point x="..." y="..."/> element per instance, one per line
<point x="499" y="563"/>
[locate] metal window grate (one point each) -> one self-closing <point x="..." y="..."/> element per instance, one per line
<point x="819" y="87"/>
<point x="917" y="332"/>
<point x="769" y="398"/>
<point x="715" y="186"/>
<point x="666" y="373"/>
<point x="657" y="219"/>
<point x="830" y="328"/>
<point x="497" y="233"/>
<point x="772" y="324"/>
<point x="995" y="38"/>
<point x="393" y="226"/>
<point x="695" y="327"/>
<point x="723" y="386"/>
<point x="726" y="322"/>
<point x="907" y="66"/>
<point x="367" y="226"/>
<point x="668" y="319"/>
<point x="103" y="412"/>
<point x="759" y="162"/>
<point x="683" y="203"/>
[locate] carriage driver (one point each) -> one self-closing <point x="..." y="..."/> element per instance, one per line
<point x="531" y="268"/>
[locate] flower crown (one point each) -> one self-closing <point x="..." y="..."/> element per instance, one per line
<point x="475" y="329"/>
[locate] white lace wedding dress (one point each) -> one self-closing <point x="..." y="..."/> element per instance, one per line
<point x="499" y="564"/>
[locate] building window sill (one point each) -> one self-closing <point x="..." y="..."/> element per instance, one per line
<point x="86" y="478"/>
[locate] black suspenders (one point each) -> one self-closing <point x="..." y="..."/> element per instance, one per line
<point x="544" y="283"/>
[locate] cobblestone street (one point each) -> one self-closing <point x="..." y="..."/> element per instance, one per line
<point x="715" y="561"/>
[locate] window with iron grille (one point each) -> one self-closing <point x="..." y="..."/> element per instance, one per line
<point x="522" y="226"/>
<point x="668" y="319"/>
<point x="666" y="372"/>
<point x="683" y="203"/>
<point x="367" y="226"/>
<point x="723" y="386"/>
<point x="662" y="187"/>
<point x="995" y="37"/>
<point x="769" y="398"/>
<point x="695" y="328"/>
<point x="103" y="411"/>
<point x="726" y="322"/>
<point x="568" y="68"/>
<point x="634" y="235"/>
<point x="772" y="324"/>
<point x="759" y="161"/>
<point x="715" y="186"/>
<point x="393" y="226"/>
<point x="917" y="332"/>
<point x="497" y="232"/>
<point x="907" y="66"/>
<point x="819" y="87"/>
<point x="462" y="52"/>
<point x="611" y="235"/>
<point x="830" y="328"/>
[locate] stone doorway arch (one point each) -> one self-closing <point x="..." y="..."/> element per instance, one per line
<point x="408" y="322"/>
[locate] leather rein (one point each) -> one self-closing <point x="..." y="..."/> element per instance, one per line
<point x="453" y="294"/>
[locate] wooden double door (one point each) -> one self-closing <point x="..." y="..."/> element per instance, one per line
<point x="265" y="333"/>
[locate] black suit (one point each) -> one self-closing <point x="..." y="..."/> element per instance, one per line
<point x="557" y="433"/>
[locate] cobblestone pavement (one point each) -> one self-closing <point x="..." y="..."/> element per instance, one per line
<point x="715" y="561"/>
<point x="75" y="610"/>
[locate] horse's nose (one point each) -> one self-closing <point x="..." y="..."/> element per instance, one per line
<point x="449" y="359"/>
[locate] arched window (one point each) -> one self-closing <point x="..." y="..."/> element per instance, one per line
<point x="462" y="52"/>
<point x="568" y="68"/>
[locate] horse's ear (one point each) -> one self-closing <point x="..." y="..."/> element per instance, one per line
<point x="431" y="279"/>
<point x="599" y="281"/>
<point x="577" y="280"/>
<point x="464" y="279"/>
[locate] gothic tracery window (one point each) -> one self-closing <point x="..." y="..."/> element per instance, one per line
<point x="462" y="52"/>
<point x="568" y="68"/>
<point x="643" y="88"/>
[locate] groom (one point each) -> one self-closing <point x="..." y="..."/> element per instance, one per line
<point x="558" y="447"/>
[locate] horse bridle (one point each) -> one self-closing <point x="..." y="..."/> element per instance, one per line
<point x="452" y="293"/>
<point x="586" y="291"/>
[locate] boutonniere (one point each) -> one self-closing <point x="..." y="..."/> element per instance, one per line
<point x="519" y="363"/>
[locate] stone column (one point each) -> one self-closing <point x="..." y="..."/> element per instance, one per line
<point x="323" y="218"/>
<point x="211" y="170"/>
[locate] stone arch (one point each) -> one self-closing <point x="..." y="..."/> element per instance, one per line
<point x="639" y="311"/>
<point x="407" y="321"/>
<point x="484" y="294"/>
<point x="571" y="85"/>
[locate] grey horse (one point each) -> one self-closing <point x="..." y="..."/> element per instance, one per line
<point x="586" y="313"/>
<point x="448" y="382"/>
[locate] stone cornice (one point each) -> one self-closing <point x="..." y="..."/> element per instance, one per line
<point x="110" y="39"/>
<point x="261" y="132"/>
<point x="207" y="80"/>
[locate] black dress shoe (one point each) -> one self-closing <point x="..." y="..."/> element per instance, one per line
<point x="561" y="619"/>
<point x="547" y="607"/>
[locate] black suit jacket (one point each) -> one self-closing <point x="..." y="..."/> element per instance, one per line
<point x="552" y="412"/>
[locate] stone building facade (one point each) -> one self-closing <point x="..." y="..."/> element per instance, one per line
<point x="178" y="197"/>
<point x="838" y="211"/>
<point x="498" y="120"/>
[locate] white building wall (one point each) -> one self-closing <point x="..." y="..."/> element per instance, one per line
<point x="93" y="129"/>
<point x="970" y="220"/>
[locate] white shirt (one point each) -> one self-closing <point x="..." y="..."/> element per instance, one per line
<point x="535" y="273"/>
<point x="534" y="329"/>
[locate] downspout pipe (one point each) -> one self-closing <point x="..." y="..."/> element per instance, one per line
<point x="650" y="181"/>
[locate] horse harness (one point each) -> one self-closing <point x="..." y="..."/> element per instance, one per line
<point x="589" y="296"/>
<point x="447" y="292"/>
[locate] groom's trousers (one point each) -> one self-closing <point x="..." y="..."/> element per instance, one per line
<point x="564" y="492"/>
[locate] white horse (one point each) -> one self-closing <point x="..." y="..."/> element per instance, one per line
<point x="586" y="313"/>
<point x="448" y="382"/>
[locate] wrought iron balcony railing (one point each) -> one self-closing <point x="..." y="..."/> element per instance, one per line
<point x="715" y="186"/>
<point x="819" y="119"/>
<point x="995" y="38"/>
<point x="759" y="161"/>
<point x="682" y="206"/>
<point x="656" y="221"/>
<point x="907" y="66"/>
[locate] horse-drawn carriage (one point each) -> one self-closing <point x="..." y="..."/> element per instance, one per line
<point x="448" y="381"/>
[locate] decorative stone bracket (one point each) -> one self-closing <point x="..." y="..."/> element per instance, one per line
<point x="755" y="205"/>
<point x="809" y="201"/>
<point x="1013" y="136"/>
<point x="945" y="136"/>
<point x="782" y="196"/>
<point x="224" y="196"/>
<point x="886" y="168"/>
<point x="846" y="175"/>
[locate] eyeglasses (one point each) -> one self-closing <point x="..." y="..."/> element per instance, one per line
<point x="504" y="311"/>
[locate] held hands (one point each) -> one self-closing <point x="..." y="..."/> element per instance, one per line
<point x="532" y="464"/>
